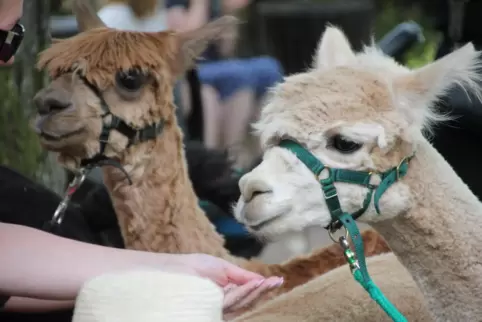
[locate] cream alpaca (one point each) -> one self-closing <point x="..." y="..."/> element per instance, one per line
<point x="365" y="112"/>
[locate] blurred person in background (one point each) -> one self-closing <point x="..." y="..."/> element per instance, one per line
<point x="136" y="15"/>
<point x="231" y="88"/>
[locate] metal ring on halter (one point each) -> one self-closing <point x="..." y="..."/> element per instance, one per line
<point x="318" y="176"/>
<point x="330" y="233"/>
<point x="397" y="170"/>
<point x="59" y="213"/>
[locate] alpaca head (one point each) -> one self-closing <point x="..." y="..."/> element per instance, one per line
<point x="357" y="111"/>
<point x="128" y="74"/>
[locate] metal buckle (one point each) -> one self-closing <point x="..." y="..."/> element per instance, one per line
<point x="330" y="196"/>
<point x="59" y="213"/>
<point x="397" y="169"/>
<point x="318" y="176"/>
<point x="332" y="237"/>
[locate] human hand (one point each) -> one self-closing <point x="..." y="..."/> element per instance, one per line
<point x="241" y="287"/>
<point x="238" y="297"/>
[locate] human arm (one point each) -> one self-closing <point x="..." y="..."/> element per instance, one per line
<point x="193" y="17"/>
<point x="228" y="42"/>
<point x="231" y="6"/>
<point x="39" y="265"/>
<point x="28" y="305"/>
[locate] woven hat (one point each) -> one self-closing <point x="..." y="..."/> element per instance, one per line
<point x="149" y="296"/>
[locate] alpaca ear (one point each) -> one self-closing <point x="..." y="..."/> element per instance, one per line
<point x="86" y="16"/>
<point x="334" y="50"/>
<point x="193" y="43"/>
<point x="416" y="92"/>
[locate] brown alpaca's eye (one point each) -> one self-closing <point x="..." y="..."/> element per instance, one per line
<point x="344" y="145"/>
<point x="132" y="80"/>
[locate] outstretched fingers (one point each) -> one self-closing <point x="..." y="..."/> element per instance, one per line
<point x="237" y="297"/>
<point x="240" y="276"/>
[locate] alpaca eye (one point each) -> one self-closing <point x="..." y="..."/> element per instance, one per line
<point x="132" y="80"/>
<point x="343" y="145"/>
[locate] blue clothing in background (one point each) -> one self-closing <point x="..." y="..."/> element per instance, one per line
<point x="229" y="76"/>
<point x="232" y="75"/>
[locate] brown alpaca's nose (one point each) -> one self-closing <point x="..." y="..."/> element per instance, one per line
<point x="47" y="101"/>
<point x="252" y="187"/>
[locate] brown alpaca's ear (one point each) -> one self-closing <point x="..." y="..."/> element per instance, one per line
<point x="193" y="43"/>
<point x="86" y="17"/>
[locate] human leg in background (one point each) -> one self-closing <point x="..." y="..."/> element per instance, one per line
<point x="237" y="115"/>
<point x="212" y="112"/>
<point x="213" y="117"/>
<point x="235" y="88"/>
<point x="266" y="72"/>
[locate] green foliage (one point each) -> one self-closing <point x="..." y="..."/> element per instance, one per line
<point x="19" y="144"/>
<point x="19" y="147"/>
<point x="391" y="14"/>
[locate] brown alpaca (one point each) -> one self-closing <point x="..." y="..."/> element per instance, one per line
<point x="132" y="75"/>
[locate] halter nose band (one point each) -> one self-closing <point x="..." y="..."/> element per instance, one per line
<point x="362" y="178"/>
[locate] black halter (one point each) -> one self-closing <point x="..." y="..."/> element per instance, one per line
<point x="109" y="122"/>
<point x="112" y="122"/>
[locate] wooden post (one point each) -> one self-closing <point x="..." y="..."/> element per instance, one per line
<point x="19" y="145"/>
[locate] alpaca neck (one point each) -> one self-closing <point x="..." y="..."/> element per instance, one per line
<point x="440" y="238"/>
<point x="159" y="212"/>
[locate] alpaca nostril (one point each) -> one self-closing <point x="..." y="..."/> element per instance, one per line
<point x="257" y="193"/>
<point x="52" y="101"/>
<point x="55" y="105"/>
<point x="255" y="188"/>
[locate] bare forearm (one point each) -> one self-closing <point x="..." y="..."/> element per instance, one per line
<point x="198" y="14"/>
<point x="39" y="265"/>
<point x="28" y="305"/>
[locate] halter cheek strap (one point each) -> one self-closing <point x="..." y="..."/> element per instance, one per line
<point x="112" y="122"/>
<point x="109" y="122"/>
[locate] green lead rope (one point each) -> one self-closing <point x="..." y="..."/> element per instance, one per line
<point x="356" y="261"/>
<point x="360" y="272"/>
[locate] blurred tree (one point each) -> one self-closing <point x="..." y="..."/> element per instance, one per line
<point x="392" y="12"/>
<point x="389" y="14"/>
<point x="19" y="146"/>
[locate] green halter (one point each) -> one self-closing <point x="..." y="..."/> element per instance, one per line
<point x="340" y="218"/>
